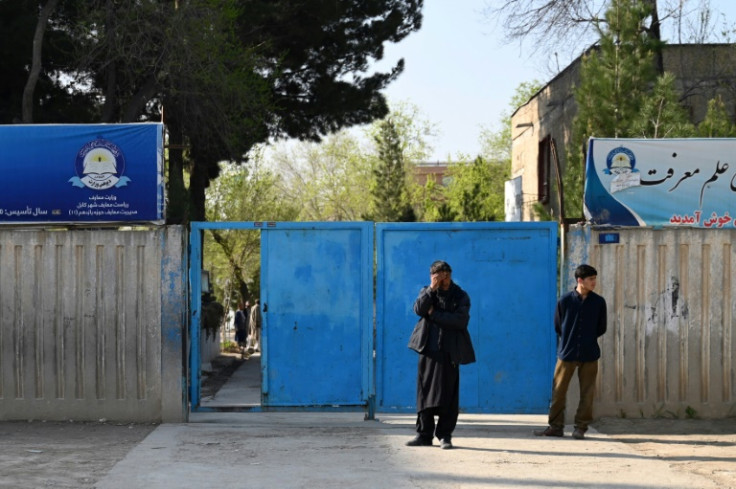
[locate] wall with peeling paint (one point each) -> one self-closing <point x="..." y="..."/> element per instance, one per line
<point x="669" y="349"/>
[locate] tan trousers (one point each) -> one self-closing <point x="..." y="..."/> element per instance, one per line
<point x="587" y="373"/>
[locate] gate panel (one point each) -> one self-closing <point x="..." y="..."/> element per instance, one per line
<point x="509" y="270"/>
<point x="317" y="322"/>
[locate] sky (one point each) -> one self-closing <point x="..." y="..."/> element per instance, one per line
<point x="461" y="76"/>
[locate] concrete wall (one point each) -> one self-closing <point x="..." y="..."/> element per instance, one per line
<point x="92" y="324"/>
<point x="671" y="338"/>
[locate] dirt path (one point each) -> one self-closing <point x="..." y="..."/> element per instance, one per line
<point x="63" y="455"/>
<point x="699" y="446"/>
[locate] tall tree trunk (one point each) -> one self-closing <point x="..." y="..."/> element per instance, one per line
<point x="30" y="88"/>
<point x="178" y="199"/>
<point x="656" y="33"/>
<point x="198" y="182"/>
<point x="108" y="108"/>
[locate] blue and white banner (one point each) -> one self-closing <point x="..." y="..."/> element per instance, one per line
<point x="80" y="173"/>
<point x="661" y="182"/>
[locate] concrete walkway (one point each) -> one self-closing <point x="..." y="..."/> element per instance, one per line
<point x="242" y="389"/>
<point x="340" y="450"/>
<point x="309" y="450"/>
<point x="320" y="450"/>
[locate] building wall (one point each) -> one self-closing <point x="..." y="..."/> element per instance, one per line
<point x="671" y="340"/>
<point x="423" y="171"/>
<point x="701" y="72"/>
<point x="549" y="113"/>
<point x="92" y="324"/>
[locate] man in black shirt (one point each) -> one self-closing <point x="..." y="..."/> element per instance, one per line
<point x="580" y="319"/>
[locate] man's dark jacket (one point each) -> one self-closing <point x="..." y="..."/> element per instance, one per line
<point x="578" y="324"/>
<point x="447" y="326"/>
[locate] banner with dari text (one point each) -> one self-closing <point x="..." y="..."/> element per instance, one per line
<point x="661" y="182"/>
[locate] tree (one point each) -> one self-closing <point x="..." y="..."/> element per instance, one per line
<point x="661" y="115"/>
<point x="548" y="23"/>
<point x="554" y="25"/>
<point x="30" y="87"/>
<point x="716" y="123"/>
<point x="389" y="190"/>
<point x="327" y="181"/>
<point x="430" y="202"/>
<point x="476" y="190"/>
<point x="31" y="78"/>
<point x="241" y="194"/>
<point x="227" y="74"/>
<point x="496" y="145"/>
<point x="614" y="81"/>
<point x="414" y="131"/>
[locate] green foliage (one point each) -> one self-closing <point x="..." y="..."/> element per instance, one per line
<point x="496" y="145"/>
<point x="716" y="123"/>
<point x="230" y="347"/>
<point x="224" y="75"/>
<point x="328" y="181"/>
<point x="390" y="199"/>
<point x="233" y="257"/>
<point x="55" y="99"/>
<point x="413" y="130"/>
<point x="430" y="200"/>
<point x="621" y="95"/>
<point x="541" y="212"/>
<point x="212" y="315"/>
<point x="661" y="115"/>
<point x="614" y="81"/>
<point x="691" y="413"/>
<point x="476" y="191"/>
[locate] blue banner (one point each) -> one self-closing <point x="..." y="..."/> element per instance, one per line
<point x="81" y="173"/>
<point x="661" y="182"/>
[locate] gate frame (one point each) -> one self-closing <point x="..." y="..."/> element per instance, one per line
<point x="195" y="301"/>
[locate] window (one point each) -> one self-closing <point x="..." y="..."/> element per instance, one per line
<point x="544" y="163"/>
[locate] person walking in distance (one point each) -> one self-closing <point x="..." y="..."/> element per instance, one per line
<point x="255" y="327"/>
<point x="444" y="311"/>
<point x="241" y="329"/>
<point x="580" y="319"/>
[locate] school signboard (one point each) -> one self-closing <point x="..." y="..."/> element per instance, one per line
<point x="81" y="173"/>
<point x="661" y="182"/>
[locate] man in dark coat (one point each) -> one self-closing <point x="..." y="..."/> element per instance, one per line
<point x="445" y="307"/>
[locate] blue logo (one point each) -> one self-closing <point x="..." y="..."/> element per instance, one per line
<point x="620" y="160"/>
<point x="100" y="165"/>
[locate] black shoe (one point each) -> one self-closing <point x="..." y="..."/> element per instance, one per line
<point x="419" y="441"/>
<point x="549" y="431"/>
<point x="578" y="434"/>
<point x="445" y="444"/>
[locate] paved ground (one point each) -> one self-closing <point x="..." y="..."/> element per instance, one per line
<point x="322" y="450"/>
<point x="325" y="450"/>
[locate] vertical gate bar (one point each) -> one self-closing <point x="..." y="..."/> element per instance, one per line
<point x="195" y="281"/>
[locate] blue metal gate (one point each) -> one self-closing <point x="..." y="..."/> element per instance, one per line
<point x="509" y="270"/>
<point x="317" y="295"/>
<point x="318" y="330"/>
<point x="317" y="300"/>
